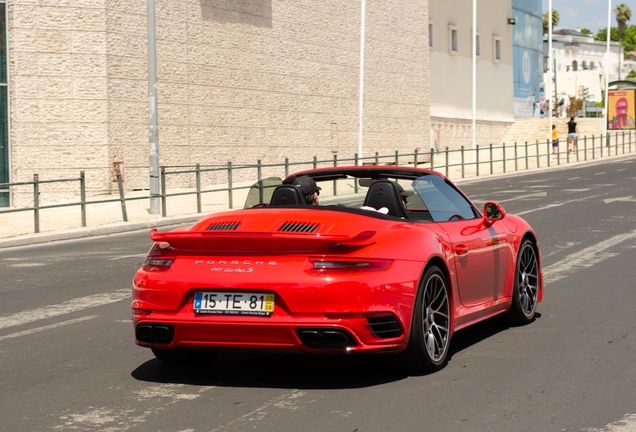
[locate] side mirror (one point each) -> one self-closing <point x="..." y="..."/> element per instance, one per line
<point x="493" y="212"/>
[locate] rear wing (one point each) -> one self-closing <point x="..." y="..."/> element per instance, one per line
<point x="195" y="242"/>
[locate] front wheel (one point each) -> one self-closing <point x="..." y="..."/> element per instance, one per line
<point x="526" y="285"/>
<point x="430" y="330"/>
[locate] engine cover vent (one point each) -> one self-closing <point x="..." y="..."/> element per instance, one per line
<point x="307" y="227"/>
<point x="224" y="226"/>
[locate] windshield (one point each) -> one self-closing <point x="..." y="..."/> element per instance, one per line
<point x="261" y="192"/>
<point x="426" y="198"/>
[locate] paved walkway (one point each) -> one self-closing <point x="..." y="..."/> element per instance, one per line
<point x="17" y="228"/>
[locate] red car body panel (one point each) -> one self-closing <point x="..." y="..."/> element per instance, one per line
<point x="256" y="257"/>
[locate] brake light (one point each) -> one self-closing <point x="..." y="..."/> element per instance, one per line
<point x="159" y="258"/>
<point x="328" y="266"/>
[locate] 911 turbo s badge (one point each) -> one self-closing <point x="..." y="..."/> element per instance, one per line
<point x="234" y="266"/>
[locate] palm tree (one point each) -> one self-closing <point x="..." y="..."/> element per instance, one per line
<point x="555" y="20"/>
<point x="623" y="14"/>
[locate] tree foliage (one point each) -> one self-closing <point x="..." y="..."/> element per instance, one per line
<point x="586" y="31"/>
<point x="623" y="14"/>
<point x="602" y="35"/>
<point x="545" y="20"/>
<point x="629" y="38"/>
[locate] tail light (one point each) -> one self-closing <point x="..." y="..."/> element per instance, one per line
<point x="159" y="258"/>
<point x="329" y="266"/>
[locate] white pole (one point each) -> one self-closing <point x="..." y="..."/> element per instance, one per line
<point x="607" y="63"/>
<point x="474" y="76"/>
<point x="550" y="72"/>
<point x="152" y="108"/>
<point x="362" y="14"/>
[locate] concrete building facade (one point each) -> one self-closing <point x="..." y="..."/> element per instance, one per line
<point x="237" y="81"/>
<point x="450" y="26"/>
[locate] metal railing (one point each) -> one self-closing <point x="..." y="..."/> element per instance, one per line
<point x="461" y="163"/>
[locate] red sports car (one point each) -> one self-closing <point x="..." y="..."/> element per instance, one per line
<point x="379" y="259"/>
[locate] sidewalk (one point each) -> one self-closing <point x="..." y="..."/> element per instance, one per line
<point x="17" y="229"/>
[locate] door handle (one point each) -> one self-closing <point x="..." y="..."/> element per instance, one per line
<point x="461" y="249"/>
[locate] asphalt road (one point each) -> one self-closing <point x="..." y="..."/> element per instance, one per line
<point x="68" y="360"/>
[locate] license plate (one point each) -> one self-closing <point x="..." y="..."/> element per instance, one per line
<point x="233" y="303"/>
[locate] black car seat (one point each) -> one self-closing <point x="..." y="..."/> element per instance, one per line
<point x="384" y="193"/>
<point x="286" y="195"/>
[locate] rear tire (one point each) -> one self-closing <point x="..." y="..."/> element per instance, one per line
<point x="430" y="330"/>
<point x="184" y="356"/>
<point x="526" y="286"/>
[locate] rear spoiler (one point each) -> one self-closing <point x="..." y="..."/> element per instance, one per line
<point x="260" y="242"/>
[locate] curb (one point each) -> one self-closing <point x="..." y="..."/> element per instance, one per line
<point x="34" y="239"/>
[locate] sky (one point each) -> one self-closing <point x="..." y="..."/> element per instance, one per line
<point x="591" y="14"/>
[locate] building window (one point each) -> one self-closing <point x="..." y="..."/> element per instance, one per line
<point x="584" y="65"/>
<point x="478" y="44"/>
<point x="575" y="66"/>
<point x="453" y="44"/>
<point x="592" y="65"/>
<point x="4" y="109"/>
<point x="496" y="49"/>
<point x="431" y="34"/>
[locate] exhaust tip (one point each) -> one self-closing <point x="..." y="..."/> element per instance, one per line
<point x="325" y="338"/>
<point x="154" y="333"/>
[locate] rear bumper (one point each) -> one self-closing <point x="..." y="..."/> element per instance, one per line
<point x="307" y="333"/>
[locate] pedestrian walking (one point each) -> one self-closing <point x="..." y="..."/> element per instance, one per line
<point x="573" y="131"/>
<point x="555" y="139"/>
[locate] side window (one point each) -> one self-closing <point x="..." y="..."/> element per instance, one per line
<point x="441" y="199"/>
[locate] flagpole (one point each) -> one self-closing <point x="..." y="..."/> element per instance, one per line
<point x="361" y="113"/>
<point x="474" y="81"/>
<point x="607" y="63"/>
<point x="550" y="72"/>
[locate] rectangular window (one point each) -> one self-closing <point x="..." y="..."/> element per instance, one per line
<point x="496" y="49"/>
<point x="431" y="34"/>
<point x="453" y="45"/>
<point x="4" y="109"/>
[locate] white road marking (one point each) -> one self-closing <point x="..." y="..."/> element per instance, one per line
<point x="574" y="178"/>
<point x="77" y="304"/>
<point x="626" y="424"/>
<point x="48" y="327"/>
<point x="122" y="419"/>
<point x="585" y="258"/>
<point x="623" y="199"/>
<point x="601" y="173"/>
<point x="128" y="256"/>
<point x="576" y="190"/>
<point x="520" y="197"/>
<point x="259" y="411"/>
<point x="559" y="204"/>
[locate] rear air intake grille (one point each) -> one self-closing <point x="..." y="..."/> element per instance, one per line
<point x="307" y="227"/>
<point x="384" y="327"/>
<point x="224" y="226"/>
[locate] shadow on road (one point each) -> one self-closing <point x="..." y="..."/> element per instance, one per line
<point x="292" y="370"/>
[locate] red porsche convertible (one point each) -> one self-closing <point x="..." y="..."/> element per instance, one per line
<point x="379" y="259"/>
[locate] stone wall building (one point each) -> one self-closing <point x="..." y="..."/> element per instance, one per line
<point x="238" y="81"/>
<point x="508" y="69"/>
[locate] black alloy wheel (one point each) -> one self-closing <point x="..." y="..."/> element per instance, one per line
<point x="526" y="286"/>
<point x="430" y="330"/>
